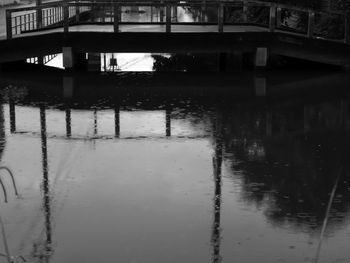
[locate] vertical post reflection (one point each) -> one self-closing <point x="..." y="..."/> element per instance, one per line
<point x="268" y="122"/>
<point x="2" y="129"/>
<point x="344" y="108"/>
<point x="68" y="122"/>
<point x="307" y="118"/>
<point x="168" y="122"/>
<point x="117" y="121"/>
<point x="95" y="122"/>
<point x="45" y="183"/>
<point x="12" y="116"/>
<point x="217" y="161"/>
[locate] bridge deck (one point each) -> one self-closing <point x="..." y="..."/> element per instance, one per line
<point x="148" y="29"/>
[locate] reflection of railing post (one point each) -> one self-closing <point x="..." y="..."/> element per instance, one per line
<point x="117" y="121"/>
<point x="116" y="8"/>
<point x="307" y="118"/>
<point x="12" y="116"/>
<point x="168" y="122"/>
<point x="65" y="17"/>
<point x="45" y="185"/>
<point x="220" y="18"/>
<point x="272" y="24"/>
<point x="344" y="108"/>
<point x="168" y="18"/>
<point x="217" y="163"/>
<point x="311" y="25"/>
<point x="68" y="123"/>
<point x="347" y="30"/>
<point x="268" y="123"/>
<point x="95" y="122"/>
<point x="9" y="24"/>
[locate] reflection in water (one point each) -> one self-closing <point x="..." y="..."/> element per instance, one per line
<point x="279" y="164"/>
<point x="47" y="246"/>
<point x="217" y="162"/>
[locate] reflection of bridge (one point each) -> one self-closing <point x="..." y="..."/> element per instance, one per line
<point x="44" y="249"/>
<point x="225" y="26"/>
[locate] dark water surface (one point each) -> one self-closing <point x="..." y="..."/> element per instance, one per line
<point x="176" y="167"/>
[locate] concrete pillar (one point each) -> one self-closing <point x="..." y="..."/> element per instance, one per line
<point x="73" y="60"/>
<point x="260" y="86"/>
<point x="261" y="57"/>
<point x="67" y="53"/>
<point x="94" y="62"/>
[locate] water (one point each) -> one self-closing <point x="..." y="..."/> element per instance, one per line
<point x="176" y="167"/>
<point x="177" y="163"/>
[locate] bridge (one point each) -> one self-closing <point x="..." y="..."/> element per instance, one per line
<point x="235" y="26"/>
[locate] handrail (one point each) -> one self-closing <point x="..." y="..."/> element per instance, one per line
<point x="178" y="3"/>
<point x="7" y="255"/>
<point x="66" y="13"/>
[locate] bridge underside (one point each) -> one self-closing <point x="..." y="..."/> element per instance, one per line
<point x="317" y="50"/>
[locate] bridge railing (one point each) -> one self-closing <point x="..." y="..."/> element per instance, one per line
<point x="274" y="17"/>
<point x="29" y="19"/>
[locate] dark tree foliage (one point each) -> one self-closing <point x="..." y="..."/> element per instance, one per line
<point x="340" y="5"/>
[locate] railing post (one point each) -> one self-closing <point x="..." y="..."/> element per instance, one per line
<point x="347" y="30"/>
<point x="9" y="24"/>
<point x="116" y="17"/>
<point x="77" y="11"/>
<point x="203" y="10"/>
<point x="39" y="15"/>
<point x="65" y="17"/>
<point x="278" y="17"/>
<point x="221" y="18"/>
<point x="245" y="12"/>
<point x="311" y="24"/>
<point x="168" y="18"/>
<point x="161" y="11"/>
<point x="272" y="24"/>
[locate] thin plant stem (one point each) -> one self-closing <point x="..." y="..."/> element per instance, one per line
<point x="325" y="221"/>
<point x="7" y="251"/>
<point x="4" y="189"/>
